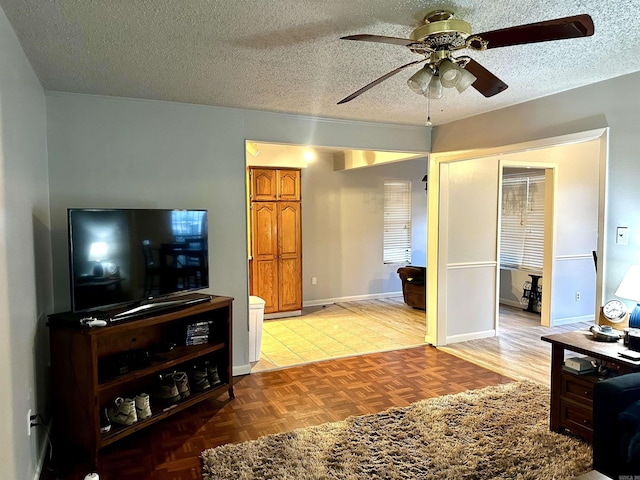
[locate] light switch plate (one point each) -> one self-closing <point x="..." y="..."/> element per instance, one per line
<point x="622" y="235"/>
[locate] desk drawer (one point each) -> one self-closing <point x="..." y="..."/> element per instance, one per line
<point x="578" y="388"/>
<point x="576" y="418"/>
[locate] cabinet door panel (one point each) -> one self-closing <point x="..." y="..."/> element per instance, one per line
<point x="263" y="184"/>
<point x="264" y="267"/>
<point x="290" y="288"/>
<point x="264" y="230"/>
<point x="264" y="282"/>
<point x="289" y="185"/>
<point x="289" y="237"/>
<point x="290" y="256"/>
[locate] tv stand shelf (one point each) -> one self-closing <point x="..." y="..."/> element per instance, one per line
<point x="86" y="382"/>
<point x="176" y="357"/>
<point x="119" y="431"/>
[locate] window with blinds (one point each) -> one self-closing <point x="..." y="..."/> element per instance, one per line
<point x="397" y="221"/>
<point x="522" y="224"/>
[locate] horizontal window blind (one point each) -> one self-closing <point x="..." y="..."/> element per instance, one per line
<point x="397" y="221"/>
<point x="522" y="223"/>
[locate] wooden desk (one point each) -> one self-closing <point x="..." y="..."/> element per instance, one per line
<point x="571" y="394"/>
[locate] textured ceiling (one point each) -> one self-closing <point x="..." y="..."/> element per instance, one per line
<point x="286" y="55"/>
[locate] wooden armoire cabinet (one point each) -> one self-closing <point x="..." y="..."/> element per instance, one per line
<point x="276" y="238"/>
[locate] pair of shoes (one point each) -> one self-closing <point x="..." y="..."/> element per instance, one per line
<point x="212" y="373"/>
<point x="204" y="376"/>
<point x="128" y="411"/>
<point x="182" y="382"/>
<point x="199" y="378"/>
<point x="173" y="386"/>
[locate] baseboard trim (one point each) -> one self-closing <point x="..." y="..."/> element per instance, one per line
<point x="510" y="303"/>
<point x="565" y="321"/>
<point x="294" y="313"/>
<point x="240" y="370"/>
<point x="42" y="452"/>
<point x="353" y="298"/>
<point x="470" y="336"/>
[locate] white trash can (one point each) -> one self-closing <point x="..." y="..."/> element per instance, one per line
<point x="256" y="317"/>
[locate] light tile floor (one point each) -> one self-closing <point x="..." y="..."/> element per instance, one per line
<point x="327" y="332"/>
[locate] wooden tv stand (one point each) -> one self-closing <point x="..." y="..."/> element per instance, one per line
<point x="84" y="385"/>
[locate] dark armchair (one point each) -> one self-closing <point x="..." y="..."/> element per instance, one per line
<point x="616" y="426"/>
<point x="414" y="286"/>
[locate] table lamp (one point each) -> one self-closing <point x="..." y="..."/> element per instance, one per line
<point x="630" y="289"/>
<point x="97" y="253"/>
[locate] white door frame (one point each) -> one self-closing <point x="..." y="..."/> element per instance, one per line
<point x="437" y="324"/>
<point x="548" y="248"/>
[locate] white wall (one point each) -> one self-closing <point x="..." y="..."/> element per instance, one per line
<point x="25" y="258"/>
<point x="612" y="104"/>
<point x="342" y="229"/>
<point x="113" y="152"/>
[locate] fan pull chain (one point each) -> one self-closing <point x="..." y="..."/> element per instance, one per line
<point x="428" y="122"/>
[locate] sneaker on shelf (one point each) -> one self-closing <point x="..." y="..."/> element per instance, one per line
<point x="105" y="423"/>
<point x="212" y="373"/>
<point x="182" y="382"/>
<point x="124" y="413"/>
<point x="143" y="406"/>
<point x="199" y="380"/>
<point x="167" y="392"/>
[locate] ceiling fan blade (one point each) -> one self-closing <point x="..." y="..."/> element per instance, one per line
<point x="377" y="81"/>
<point x="379" y="39"/>
<point x="487" y="83"/>
<point x="558" y="29"/>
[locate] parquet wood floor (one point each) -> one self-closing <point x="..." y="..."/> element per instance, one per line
<point x="282" y="400"/>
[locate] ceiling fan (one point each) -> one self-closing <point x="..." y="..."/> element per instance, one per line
<point x="441" y="35"/>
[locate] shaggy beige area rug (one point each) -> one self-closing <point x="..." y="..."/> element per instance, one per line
<point x="499" y="432"/>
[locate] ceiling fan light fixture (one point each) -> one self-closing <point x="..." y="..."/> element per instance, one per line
<point x="449" y="73"/>
<point x="466" y="80"/>
<point x="419" y="81"/>
<point x="435" y="88"/>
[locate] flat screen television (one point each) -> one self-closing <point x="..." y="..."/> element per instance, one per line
<point x="130" y="257"/>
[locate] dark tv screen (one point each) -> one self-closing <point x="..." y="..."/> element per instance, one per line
<point x="128" y="256"/>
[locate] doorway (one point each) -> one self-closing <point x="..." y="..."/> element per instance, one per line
<point x="342" y="195"/>
<point x="522" y="226"/>
<point x="579" y="160"/>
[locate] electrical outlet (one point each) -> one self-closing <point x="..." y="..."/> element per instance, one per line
<point x="577" y="296"/>
<point x="314" y="280"/>
<point x="29" y="422"/>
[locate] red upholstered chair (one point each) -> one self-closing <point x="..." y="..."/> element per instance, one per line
<point x="414" y="286"/>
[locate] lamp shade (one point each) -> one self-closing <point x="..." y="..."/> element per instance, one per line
<point x="435" y="88"/>
<point x="466" y="80"/>
<point x="449" y="73"/>
<point x="630" y="286"/>
<point x="630" y="289"/>
<point x="419" y="81"/>
<point x="98" y="251"/>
